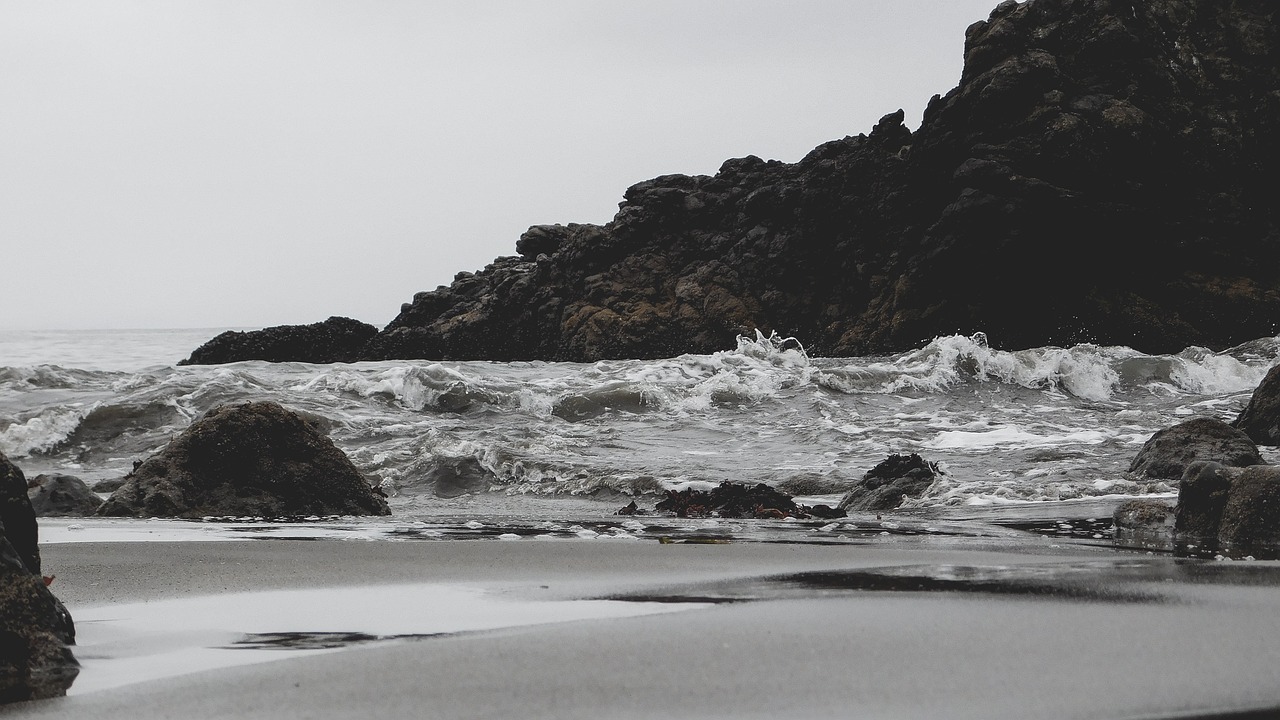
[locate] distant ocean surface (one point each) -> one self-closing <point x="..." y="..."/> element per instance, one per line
<point x="1046" y="425"/>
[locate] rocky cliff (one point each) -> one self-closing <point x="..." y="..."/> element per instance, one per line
<point x="1103" y="172"/>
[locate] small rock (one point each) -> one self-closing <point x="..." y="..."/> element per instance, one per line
<point x="1146" y="524"/>
<point x="59" y="495"/>
<point x="886" y="485"/>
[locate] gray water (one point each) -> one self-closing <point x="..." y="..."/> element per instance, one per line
<point x="1013" y="431"/>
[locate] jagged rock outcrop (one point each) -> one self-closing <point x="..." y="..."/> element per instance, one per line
<point x="885" y="486"/>
<point x="255" y="459"/>
<point x="337" y="339"/>
<point x="35" y="629"/>
<point x="1103" y="172"/>
<point x="1260" y="419"/>
<point x="1169" y="452"/>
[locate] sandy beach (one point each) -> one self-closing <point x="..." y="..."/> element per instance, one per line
<point x="596" y="628"/>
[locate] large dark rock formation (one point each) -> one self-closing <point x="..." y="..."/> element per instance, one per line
<point x="35" y="629"/>
<point x="1104" y="172"/>
<point x="255" y="459"/>
<point x="1260" y="419"/>
<point x="337" y="339"/>
<point x="1169" y="452"/>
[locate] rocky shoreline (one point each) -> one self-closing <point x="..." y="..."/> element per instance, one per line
<point x="1102" y="173"/>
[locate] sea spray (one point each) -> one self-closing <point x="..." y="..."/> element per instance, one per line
<point x="1010" y="426"/>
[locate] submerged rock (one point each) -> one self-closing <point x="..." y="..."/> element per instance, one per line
<point x="61" y="495"/>
<point x="1169" y="452"/>
<point x="1135" y="144"/>
<point x="451" y="477"/>
<point x="255" y="459"/>
<point x="35" y="629"/>
<point x="337" y="339"/>
<point x="887" y="485"/>
<point x="1260" y="419"/>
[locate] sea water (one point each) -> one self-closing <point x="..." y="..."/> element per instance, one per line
<point x="1009" y="429"/>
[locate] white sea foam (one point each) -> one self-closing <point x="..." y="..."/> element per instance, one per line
<point x="42" y="432"/>
<point x="1011" y="436"/>
<point x="763" y="411"/>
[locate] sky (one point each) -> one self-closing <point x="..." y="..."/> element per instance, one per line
<point x="245" y="163"/>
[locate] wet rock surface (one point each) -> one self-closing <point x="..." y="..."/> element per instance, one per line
<point x="255" y="459"/>
<point x="1235" y="511"/>
<point x="1251" y="517"/>
<point x="734" y="500"/>
<point x="337" y="339"/>
<point x="1260" y="419"/>
<point x="1102" y="173"/>
<point x="35" y="629"/>
<point x="887" y="485"/>
<point x="1145" y="524"/>
<point x="1171" y="451"/>
<point x="59" y="495"/>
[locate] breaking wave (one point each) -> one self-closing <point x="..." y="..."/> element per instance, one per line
<point x="1010" y="426"/>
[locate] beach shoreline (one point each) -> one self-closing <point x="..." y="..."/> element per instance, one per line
<point x="763" y="630"/>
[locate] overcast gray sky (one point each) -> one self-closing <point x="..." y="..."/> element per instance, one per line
<point x="171" y="163"/>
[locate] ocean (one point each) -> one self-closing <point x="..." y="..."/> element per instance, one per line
<point x="1033" y="434"/>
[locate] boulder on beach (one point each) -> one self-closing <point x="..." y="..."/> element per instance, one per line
<point x="1251" y="517"/>
<point x="256" y="459"/>
<point x="1260" y="419"/>
<point x="58" y="495"/>
<point x="1235" y="510"/>
<point x="35" y="629"/>
<point x="1169" y="452"/>
<point x="337" y="339"/>
<point x="887" y="485"/>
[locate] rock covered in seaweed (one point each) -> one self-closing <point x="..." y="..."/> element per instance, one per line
<point x="1170" y="451"/>
<point x="735" y="500"/>
<point x="1145" y="524"/>
<point x="337" y="339"/>
<point x="254" y="459"/>
<point x="1134" y="144"/>
<point x="887" y="485"/>
<point x="35" y="629"/>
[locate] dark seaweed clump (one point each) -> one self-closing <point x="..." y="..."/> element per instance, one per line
<point x="734" y="500"/>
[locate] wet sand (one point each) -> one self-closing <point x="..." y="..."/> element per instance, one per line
<point x="881" y="630"/>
